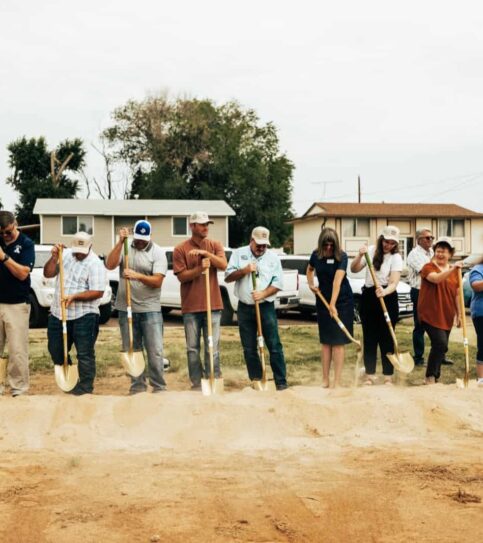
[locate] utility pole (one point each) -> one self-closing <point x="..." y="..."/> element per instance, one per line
<point x="359" y="189"/>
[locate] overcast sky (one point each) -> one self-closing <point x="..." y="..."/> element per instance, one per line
<point x="390" y="91"/>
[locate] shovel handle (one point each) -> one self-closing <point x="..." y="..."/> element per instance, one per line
<point x="383" y="303"/>
<point x="128" y="296"/>
<point x="210" y="325"/>
<point x="461" y="299"/>
<point x="62" y="303"/>
<point x="259" y="330"/>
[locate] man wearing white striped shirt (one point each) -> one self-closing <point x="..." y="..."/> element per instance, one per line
<point x="84" y="285"/>
<point x="417" y="258"/>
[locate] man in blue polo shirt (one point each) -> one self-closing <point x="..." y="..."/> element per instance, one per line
<point x="266" y="264"/>
<point x="17" y="256"/>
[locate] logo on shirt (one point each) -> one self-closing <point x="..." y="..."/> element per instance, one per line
<point x="17" y="249"/>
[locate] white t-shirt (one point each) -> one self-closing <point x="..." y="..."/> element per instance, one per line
<point x="390" y="263"/>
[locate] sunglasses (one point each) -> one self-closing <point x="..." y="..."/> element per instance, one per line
<point x="328" y="244"/>
<point x="427" y="238"/>
<point x="6" y="232"/>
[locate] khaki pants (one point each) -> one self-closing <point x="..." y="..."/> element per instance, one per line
<point x="14" y="330"/>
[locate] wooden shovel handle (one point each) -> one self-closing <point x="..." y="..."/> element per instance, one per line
<point x="461" y="299"/>
<point x="210" y="324"/>
<point x="383" y="303"/>
<point x="259" y="330"/>
<point x="63" y="311"/>
<point x="128" y="296"/>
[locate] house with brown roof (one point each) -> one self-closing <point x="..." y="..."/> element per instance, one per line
<point x="360" y="223"/>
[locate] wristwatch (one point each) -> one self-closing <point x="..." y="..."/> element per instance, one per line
<point x="5" y="258"/>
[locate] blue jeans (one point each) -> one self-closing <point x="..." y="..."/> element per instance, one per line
<point x="418" y="331"/>
<point x="194" y="324"/>
<point x="81" y="332"/>
<point x="247" y="324"/>
<point x="147" y="333"/>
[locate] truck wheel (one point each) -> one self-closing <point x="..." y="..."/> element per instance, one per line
<point x="227" y="312"/>
<point x="38" y="315"/>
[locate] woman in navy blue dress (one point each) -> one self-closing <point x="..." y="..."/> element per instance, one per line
<point x="329" y="264"/>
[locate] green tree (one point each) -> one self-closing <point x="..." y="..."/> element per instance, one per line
<point x="194" y="149"/>
<point x="30" y="160"/>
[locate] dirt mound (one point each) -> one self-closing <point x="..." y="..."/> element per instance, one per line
<point x="241" y="421"/>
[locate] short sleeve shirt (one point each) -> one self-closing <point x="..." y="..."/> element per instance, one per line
<point x="269" y="273"/>
<point x="149" y="261"/>
<point x="390" y="263"/>
<point x="13" y="290"/>
<point x="80" y="276"/>
<point x="325" y="269"/>
<point x="193" y="293"/>
<point x="476" y="274"/>
<point x="437" y="301"/>
<point x="417" y="258"/>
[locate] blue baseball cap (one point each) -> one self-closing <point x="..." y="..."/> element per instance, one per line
<point x="142" y="230"/>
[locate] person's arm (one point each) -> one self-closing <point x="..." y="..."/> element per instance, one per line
<point x="339" y="276"/>
<point x="439" y="277"/>
<point x="276" y="284"/>
<point x="394" y="278"/>
<point x="310" y="279"/>
<point x="216" y="260"/>
<point x="114" y="257"/>
<point x="152" y="281"/>
<point x="17" y="269"/>
<point x="359" y="261"/>
<point x="85" y="296"/>
<point x="476" y="280"/>
<point x="238" y="274"/>
<point x="51" y="267"/>
<point x="259" y="295"/>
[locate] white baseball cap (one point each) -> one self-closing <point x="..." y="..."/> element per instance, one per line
<point x="81" y="243"/>
<point x="200" y="217"/>
<point x="390" y="233"/>
<point x="444" y="239"/>
<point x="261" y="235"/>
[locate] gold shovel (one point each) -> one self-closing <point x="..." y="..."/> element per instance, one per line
<point x="461" y="299"/>
<point x="3" y="371"/>
<point x="133" y="361"/>
<point x="66" y="375"/>
<point x="356" y="342"/>
<point x="263" y="385"/>
<point x="210" y="386"/>
<point x="403" y="362"/>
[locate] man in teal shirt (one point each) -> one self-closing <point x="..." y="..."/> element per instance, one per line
<point x="256" y="258"/>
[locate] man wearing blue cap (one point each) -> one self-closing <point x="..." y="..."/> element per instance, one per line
<point x="147" y="269"/>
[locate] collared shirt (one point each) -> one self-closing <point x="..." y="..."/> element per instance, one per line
<point x="390" y="263"/>
<point x="149" y="261"/>
<point x="13" y="290"/>
<point x="417" y="258"/>
<point x="193" y="293"/>
<point x="269" y="273"/>
<point x="79" y="276"/>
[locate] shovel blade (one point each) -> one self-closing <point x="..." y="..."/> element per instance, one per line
<point x="133" y="363"/>
<point x="208" y="388"/>
<point x="264" y="386"/>
<point x="66" y="376"/>
<point x="403" y="362"/>
<point x="3" y="370"/>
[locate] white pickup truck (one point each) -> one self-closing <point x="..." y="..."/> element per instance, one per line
<point x="171" y="295"/>
<point x="42" y="292"/>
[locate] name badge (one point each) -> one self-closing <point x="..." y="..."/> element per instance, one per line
<point x="330" y="261"/>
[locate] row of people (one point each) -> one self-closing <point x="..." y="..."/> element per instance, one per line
<point x="86" y="276"/>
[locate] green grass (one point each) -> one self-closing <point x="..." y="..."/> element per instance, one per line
<point x="301" y="346"/>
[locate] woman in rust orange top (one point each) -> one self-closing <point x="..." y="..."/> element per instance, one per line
<point x="438" y="307"/>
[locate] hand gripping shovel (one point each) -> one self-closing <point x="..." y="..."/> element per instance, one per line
<point x="465" y="335"/>
<point x="210" y="386"/>
<point x="262" y="385"/>
<point x="342" y="326"/>
<point x="66" y="375"/>
<point x="403" y="362"/>
<point x="133" y="361"/>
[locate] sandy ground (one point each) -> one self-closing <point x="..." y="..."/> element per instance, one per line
<point x="379" y="464"/>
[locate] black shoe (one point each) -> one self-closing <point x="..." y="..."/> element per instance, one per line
<point x="281" y="387"/>
<point x="447" y="362"/>
<point x="419" y="362"/>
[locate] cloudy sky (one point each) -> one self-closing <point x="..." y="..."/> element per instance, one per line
<point x="390" y="91"/>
